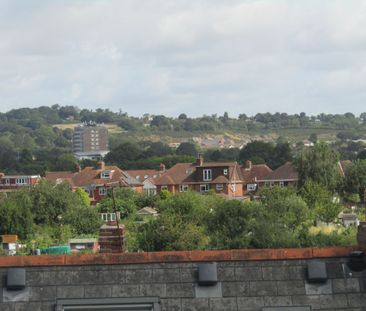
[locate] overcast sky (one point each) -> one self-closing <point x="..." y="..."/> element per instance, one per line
<point x="193" y="56"/>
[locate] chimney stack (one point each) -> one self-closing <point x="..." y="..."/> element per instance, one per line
<point x="162" y="167"/>
<point x="101" y="165"/>
<point x="78" y="168"/>
<point x="248" y="165"/>
<point x="199" y="161"/>
<point x="111" y="238"/>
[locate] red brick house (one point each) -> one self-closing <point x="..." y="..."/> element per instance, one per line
<point x="10" y="183"/>
<point x="252" y="174"/>
<point x="283" y="176"/>
<point x="96" y="181"/>
<point x="222" y="177"/>
<point x="147" y="178"/>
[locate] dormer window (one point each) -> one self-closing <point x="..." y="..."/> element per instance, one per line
<point x="225" y="171"/>
<point x="106" y="175"/>
<point x="207" y="175"/>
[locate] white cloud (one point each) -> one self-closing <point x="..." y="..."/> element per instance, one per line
<point x="198" y="57"/>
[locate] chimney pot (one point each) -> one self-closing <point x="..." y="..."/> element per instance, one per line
<point x="162" y="167"/>
<point x="199" y="161"/>
<point x="248" y="165"/>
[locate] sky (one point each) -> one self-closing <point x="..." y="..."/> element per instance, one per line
<point x="184" y="56"/>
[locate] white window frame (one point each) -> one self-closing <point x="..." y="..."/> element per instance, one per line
<point x="110" y="216"/>
<point x="219" y="187"/>
<point x="204" y="188"/>
<point x="164" y="187"/>
<point x="233" y="187"/>
<point x="103" y="191"/>
<point x="251" y="187"/>
<point x="7" y="181"/>
<point x="271" y="184"/>
<point x="106" y="175"/>
<point x="282" y="184"/>
<point x="225" y="171"/>
<point x="207" y="175"/>
<point x="183" y="188"/>
<point x="21" y="181"/>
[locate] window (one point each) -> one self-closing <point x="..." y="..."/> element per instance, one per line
<point x="282" y="184"/>
<point x="7" y="181"/>
<point x="138" y="177"/>
<point x="104" y="304"/>
<point x="106" y="175"/>
<point x="271" y="184"/>
<point x="183" y="188"/>
<point x="225" y="171"/>
<point x="21" y="181"/>
<point x="219" y="187"/>
<point x="164" y="187"/>
<point x="233" y="187"/>
<point x="110" y="216"/>
<point x="146" y="176"/>
<point x="102" y="191"/>
<point x="251" y="187"/>
<point x="204" y="188"/>
<point x="207" y="175"/>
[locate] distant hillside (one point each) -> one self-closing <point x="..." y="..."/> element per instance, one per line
<point x="35" y="139"/>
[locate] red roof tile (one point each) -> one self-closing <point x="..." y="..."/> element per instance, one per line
<point x="255" y="172"/>
<point x="286" y="172"/>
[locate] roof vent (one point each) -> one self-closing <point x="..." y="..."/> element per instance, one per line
<point x="316" y="272"/>
<point x="207" y="274"/>
<point x="15" y="279"/>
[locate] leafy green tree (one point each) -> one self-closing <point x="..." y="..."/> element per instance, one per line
<point x="314" y="194"/>
<point x="83" y="220"/>
<point x="15" y="219"/>
<point x="319" y="164"/>
<point x="84" y="196"/>
<point x="188" y="149"/>
<point x="284" y="205"/>
<point x="313" y="138"/>
<point x="355" y="179"/>
<point x="230" y="224"/>
<point x="125" y="200"/>
<point x="180" y="224"/>
<point x="48" y="201"/>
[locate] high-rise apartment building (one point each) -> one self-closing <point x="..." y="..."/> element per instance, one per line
<point x="90" y="141"/>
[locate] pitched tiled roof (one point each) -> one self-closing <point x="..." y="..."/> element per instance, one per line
<point x="184" y="173"/>
<point x="218" y="164"/>
<point x="140" y="174"/>
<point x="178" y="174"/>
<point x="284" y="172"/>
<point x="60" y="177"/>
<point x="91" y="176"/>
<point x="255" y="172"/>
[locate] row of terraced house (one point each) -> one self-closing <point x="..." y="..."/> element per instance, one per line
<point x="228" y="179"/>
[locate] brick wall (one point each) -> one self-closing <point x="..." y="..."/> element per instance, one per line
<point x="248" y="280"/>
